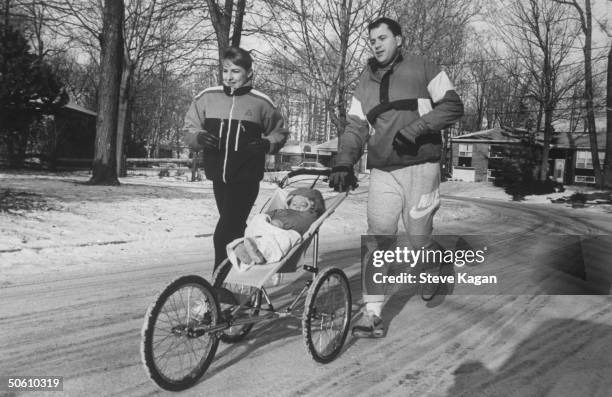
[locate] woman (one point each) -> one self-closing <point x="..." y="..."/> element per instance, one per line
<point x="234" y="126"/>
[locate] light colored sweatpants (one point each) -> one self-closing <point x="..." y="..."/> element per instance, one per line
<point x="414" y="194"/>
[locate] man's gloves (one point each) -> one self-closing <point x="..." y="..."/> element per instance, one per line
<point x="260" y="145"/>
<point x="208" y="140"/>
<point x="342" y="178"/>
<point x="403" y="145"/>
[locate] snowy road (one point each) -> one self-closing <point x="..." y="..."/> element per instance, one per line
<point x="87" y="329"/>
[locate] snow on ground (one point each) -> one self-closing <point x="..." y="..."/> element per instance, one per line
<point x="54" y="222"/>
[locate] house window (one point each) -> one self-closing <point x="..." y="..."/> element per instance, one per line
<point x="465" y="155"/>
<point x="584" y="179"/>
<point x="584" y="159"/>
<point x="496" y="151"/>
<point x="490" y="175"/>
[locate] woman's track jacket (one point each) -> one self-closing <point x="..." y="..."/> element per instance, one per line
<point x="238" y="118"/>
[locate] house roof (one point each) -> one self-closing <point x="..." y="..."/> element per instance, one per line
<point x="80" y="109"/>
<point x="566" y="140"/>
<point x="563" y="140"/>
<point x="329" y="146"/>
<point x="292" y="149"/>
<point x="493" y="135"/>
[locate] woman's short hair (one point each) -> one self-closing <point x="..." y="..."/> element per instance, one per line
<point x="239" y="56"/>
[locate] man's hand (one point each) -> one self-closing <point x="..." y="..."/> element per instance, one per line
<point x="403" y="145"/>
<point x="208" y="140"/>
<point x="260" y="145"/>
<point x="342" y="178"/>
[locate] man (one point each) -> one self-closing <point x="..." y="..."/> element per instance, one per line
<point x="407" y="101"/>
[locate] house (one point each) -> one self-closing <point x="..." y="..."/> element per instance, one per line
<point x="327" y="152"/>
<point x="473" y="155"/>
<point x="330" y="148"/>
<point x="75" y="135"/>
<point x="294" y="153"/>
<point x="571" y="160"/>
<point x="66" y="137"/>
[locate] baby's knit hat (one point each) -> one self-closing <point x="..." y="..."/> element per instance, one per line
<point x="314" y="195"/>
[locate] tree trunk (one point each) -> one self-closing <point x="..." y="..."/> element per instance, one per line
<point x="546" y="144"/>
<point x="111" y="65"/>
<point x="222" y="23"/>
<point x="346" y="8"/>
<point x="608" y="160"/>
<point x="588" y="93"/>
<point x="122" y="118"/>
<point x="237" y="33"/>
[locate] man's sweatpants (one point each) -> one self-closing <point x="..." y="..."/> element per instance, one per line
<point x="413" y="193"/>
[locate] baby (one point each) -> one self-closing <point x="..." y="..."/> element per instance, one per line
<point x="269" y="236"/>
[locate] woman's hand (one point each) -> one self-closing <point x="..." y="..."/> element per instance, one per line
<point x="260" y="145"/>
<point x="208" y="140"/>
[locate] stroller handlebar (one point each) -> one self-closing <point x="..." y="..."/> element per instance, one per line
<point x="309" y="171"/>
<point x="305" y="171"/>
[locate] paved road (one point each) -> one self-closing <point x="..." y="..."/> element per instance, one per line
<point x="87" y="329"/>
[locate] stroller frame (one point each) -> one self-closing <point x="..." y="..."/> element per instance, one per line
<point x="193" y="315"/>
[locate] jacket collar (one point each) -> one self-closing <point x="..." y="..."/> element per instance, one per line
<point x="238" y="91"/>
<point x="375" y="66"/>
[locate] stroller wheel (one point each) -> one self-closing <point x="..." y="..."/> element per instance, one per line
<point x="238" y="332"/>
<point x="327" y="315"/>
<point x="176" y="348"/>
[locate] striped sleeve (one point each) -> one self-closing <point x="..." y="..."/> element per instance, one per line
<point x="447" y="108"/>
<point x="356" y="133"/>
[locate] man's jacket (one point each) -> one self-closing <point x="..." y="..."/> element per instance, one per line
<point x="238" y="119"/>
<point x="412" y="96"/>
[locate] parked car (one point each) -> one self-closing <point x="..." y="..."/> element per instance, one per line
<point x="309" y="165"/>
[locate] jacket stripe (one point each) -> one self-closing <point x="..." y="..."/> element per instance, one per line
<point x="356" y="110"/>
<point x="238" y="129"/>
<point x="438" y="86"/>
<point x="424" y="106"/>
<point x="229" y="128"/>
<point x="401" y="104"/>
<point x="263" y="96"/>
<point x="218" y="88"/>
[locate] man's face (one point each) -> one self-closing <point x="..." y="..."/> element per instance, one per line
<point x="384" y="44"/>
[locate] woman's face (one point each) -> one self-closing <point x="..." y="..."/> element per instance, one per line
<point x="234" y="76"/>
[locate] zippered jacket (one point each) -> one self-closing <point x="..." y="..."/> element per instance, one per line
<point x="238" y="118"/>
<point x="413" y="97"/>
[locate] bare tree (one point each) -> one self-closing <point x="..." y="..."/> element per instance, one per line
<point x="586" y="24"/>
<point x="322" y="41"/>
<point x="155" y="33"/>
<point x="608" y="161"/>
<point x="539" y="35"/>
<point x="111" y="61"/>
<point x="437" y="29"/>
<point x="221" y="18"/>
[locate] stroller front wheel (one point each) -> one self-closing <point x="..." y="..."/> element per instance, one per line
<point x="327" y="315"/>
<point x="176" y="348"/>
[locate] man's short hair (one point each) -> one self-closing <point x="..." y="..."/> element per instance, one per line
<point x="393" y="26"/>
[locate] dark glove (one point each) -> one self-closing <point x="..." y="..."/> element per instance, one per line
<point x="342" y="178"/>
<point x="403" y="145"/>
<point x="260" y="145"/>
<point x="208" y="140"/>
